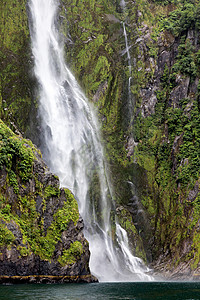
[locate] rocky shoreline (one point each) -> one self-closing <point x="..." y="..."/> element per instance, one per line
<point x="47" y="279"/>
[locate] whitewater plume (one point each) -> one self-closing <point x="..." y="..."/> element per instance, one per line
<point x="72" y="148"/>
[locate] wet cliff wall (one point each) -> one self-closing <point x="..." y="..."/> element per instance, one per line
<point x="41" y="232"/>
<point x="152" y="150"/>
<point x="152" y="145"/>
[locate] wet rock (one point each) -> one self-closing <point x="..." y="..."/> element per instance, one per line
<point x="179" y="92"/>
<point x="131" y="144"/>
<point x="177" y="142"/>
<point x="193" y="193"/>
<point x="39" y="222"/>
<point x="149" y="101"/>
<point x="100" y="92"/>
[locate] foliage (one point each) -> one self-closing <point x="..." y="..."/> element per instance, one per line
<point x="71" y="255"/>
<point x="168" y="150"/>
<point x="51" y="191"/>
<point x="185" y="17"/>
<point x="6" y="236"/>
<point x="15" y="156"/>
<point x="17" y="162"/>
<point x="185" y="60"/>
<point x="15" y="79"/>
<point x="168" y="141"/>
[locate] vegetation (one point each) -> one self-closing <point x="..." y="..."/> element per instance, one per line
<point x="71" y="255"/>
<point x="6" y="236"/>
<point x="185" y="17"/>
<point x="18" y="200"/>
<point x="167" y="137"/>
<point x="15" y="156"/>
<point x="15" y="80"/>
<point x="168" y="141"/>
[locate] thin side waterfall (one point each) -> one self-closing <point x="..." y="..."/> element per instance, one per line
<point x="73" y="151"/>
<point x="122" y="4"/>
<point x="127" y="52"/>
<point x="129" y="66"/>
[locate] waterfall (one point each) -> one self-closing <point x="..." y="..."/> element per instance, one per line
<point x="122" y="4"/>
<point x="127" y="52"/>
<point x="72" y="148"/>
<point x="129" y="66"/>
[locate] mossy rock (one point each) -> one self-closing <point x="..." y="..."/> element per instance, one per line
<point x="38" y="220"/>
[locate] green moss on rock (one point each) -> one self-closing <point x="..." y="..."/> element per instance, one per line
<point x="35" y="214"/>
<point x="6" y="236"/>
<point x="15" y="77"/>
<point x="70" y="255"/>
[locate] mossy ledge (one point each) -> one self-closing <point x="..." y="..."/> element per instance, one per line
<point x="39" y="222"/>
<point x="47" y="279"/>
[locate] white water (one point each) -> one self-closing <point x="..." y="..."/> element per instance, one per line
<point x="73" y="149"/>
<point x="122" y="4"/>
<point x="129" y="66"/>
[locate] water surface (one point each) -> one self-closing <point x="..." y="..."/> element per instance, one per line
<point x="133" y="290"/>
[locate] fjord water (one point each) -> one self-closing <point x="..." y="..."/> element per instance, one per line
<point x="72" y="148"/>
<point x="104" y="291"/>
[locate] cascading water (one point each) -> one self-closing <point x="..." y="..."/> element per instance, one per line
<point x="127" y="52"/>
<point x="129" y="66"/>
<point x="73" y="150"/>
<point x="122" y="4"/>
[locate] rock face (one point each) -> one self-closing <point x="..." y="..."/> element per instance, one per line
<point x="152" y="151"/>
<point x="167" y="132"/>
<point x="41" y="232"/>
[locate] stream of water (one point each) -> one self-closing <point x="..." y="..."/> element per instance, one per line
<point x="72" y="149"/>
<point x="129" y="61"/>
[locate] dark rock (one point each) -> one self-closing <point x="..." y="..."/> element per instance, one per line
<point x="177" y="142"/>
<point x="193" y="193"/>
<point x="100" y="92"/>
<point x="31" y="210"/>
<point x="179" y="92"/>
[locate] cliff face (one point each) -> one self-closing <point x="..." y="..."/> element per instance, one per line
<point x="151" y="139"/>
<point x="167" y="131"/>
<point x="41" y="232"/>
<point x="16" y="81"/>
<point x="151" y="144"/>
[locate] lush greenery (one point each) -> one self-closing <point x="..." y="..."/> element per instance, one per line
<point x="185" y="17"/>
<point x="15" y="156"/>
<point x="168" y="137"/>
<point x="19" y="195"/>
<point x="15" y="82"/>
<point x="71" y="255"/>
<point x="168" y="141"/>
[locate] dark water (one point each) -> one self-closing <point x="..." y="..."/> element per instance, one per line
<point x="135" y="291"/>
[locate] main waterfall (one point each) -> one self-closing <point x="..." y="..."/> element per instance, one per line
<point x="71" y="145"/>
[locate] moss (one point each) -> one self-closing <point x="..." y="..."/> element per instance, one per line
<point x="15" y="82"/>
<point x="168" y="147"/>
<point x="68" y="212"/>
<point x="15" y="155"/>
<point x="25" y="187"/>
<point x="6" y="236"/>
<point x="94" y="56"/>
<point x="24" y="251"/>
<point x="51" y="191"/>
<point x="31" y="225"/>
<point x="71" y="255"/>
